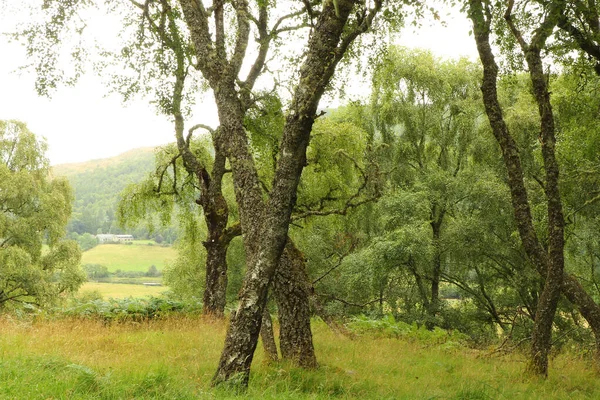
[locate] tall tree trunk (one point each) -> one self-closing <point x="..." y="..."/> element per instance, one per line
<point x="436" y="229"/>
<point x="212" y="201"/>
<point x="292" y="290"/>
<point x="550" y="265"/>
<point x="265" y="223"/>
<point x="216" y="216"/>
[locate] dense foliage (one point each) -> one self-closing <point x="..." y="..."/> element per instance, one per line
<point x="34" y="210"/>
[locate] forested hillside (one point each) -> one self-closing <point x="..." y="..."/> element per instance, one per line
<point x="97" y="185"/>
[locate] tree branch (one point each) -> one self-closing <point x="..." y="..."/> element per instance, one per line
<point x="196" y="17"/>
<point x="339" y="262"/>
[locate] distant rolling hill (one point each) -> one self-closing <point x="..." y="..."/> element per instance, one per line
<point x="140" y="157"/>
<point x="97" y="185"/>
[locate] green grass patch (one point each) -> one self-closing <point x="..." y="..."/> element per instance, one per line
<point x="135" y="281"/>
<point x="121" y="290"/>
<point x="129" y="257"/>
<point x="145" y="242"/>
<point x="175" y="358"/>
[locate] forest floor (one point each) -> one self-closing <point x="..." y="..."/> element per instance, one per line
<point x="175" y="358"/>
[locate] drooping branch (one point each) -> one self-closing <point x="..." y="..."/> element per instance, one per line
<point x="346" y="302"/>
<point x="162" y="174"/>
<point x="351" y="203"/>
<point x="158" y="30"/>
<point x="339" y="262"/>
<point x="584" y="41"/>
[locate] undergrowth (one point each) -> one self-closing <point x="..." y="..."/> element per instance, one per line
<point x="388" y="327"/>
<point x="127" y="309"/>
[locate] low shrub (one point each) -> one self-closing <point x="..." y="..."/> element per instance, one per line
<point x="388" y="327"/>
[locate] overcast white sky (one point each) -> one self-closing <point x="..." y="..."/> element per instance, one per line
<point x="81" y="123"/>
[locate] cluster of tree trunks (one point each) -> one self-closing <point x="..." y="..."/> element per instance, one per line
<point x="265" y="223"/>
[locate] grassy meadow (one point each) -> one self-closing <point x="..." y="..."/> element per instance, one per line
<point x="136" y="257"/>
<point x="175" y="358"/>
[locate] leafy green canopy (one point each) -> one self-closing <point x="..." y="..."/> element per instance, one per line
<point x="33" y="209"/>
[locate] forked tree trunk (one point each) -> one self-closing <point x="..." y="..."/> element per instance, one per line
<point x="266" y="228"/>
<point x="548" y="301"/>
<point x="216" y="216"/>
<point x="292" y="290"/>
<point x="571" y="288"/>
<point x="549" y="264"/>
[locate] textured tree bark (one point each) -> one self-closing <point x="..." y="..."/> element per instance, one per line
<point x="214" y="298"/>
<point x="216" y="216"/>
<point x="292" y="290"/>
<point x="219" y="236"/>
<point x="211" y="198"/>
<point x="268" y="337"/>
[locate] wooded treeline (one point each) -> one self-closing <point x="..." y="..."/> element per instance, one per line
<point x="97" y="185"/>
<point x="453" y="179"/>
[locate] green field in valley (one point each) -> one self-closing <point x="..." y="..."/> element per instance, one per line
<point x="121" y="290"/>
<point x="137" y="257"/>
